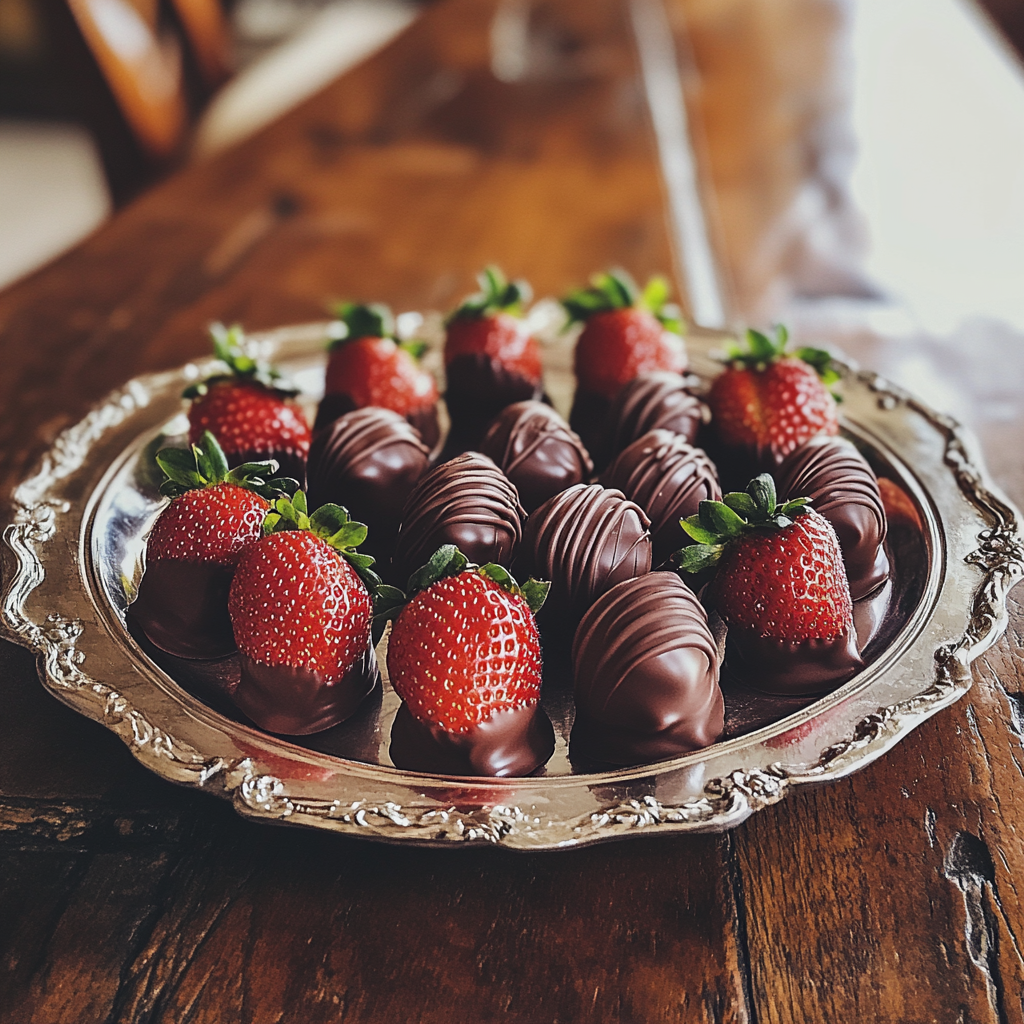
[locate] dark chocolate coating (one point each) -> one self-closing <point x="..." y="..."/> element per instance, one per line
<point x="668" y="478"/>
<point x="478" y="386"/>
<point x="509" y="743"/>
<point x="183" y="608"/>
<point x="584" y="540"/>
<point x="791" y="666"/>
<point x="645" y="668"/>
<point x="537" y="451"/>
<point x="589" y="418"/>
<point x="425" y="420"/>
<point x="295" y="701"/>
<point x="468" y="502"/>
<point x="842" y="488"/>
<point x="658" y="400"/>
<point x="368" y="461"/>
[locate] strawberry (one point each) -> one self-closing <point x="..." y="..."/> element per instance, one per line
<point x="625" y="333"/>
<point x="766" y="403"/>
<point x="464" y="655"/>
<point x="369" y="366"/>
<point x="301" y="614"/>
<point x="780" y="586"/>
<point x="195" y="544"/>
<point x="246" y="408"/>
<point x="491" y="359"/>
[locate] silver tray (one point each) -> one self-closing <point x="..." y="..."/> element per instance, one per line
<point x="74" y="538"/>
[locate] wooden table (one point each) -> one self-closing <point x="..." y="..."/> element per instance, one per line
<point x="892" y="896"/>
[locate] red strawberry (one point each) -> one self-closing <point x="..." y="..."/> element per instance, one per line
<point x="246" y="409"/>
<point x="301" y="616"/>
<point x="195" y="544"/>
<point x="625" y="333"/>
<point x="368" y="366"/>
<point x="765" y="403"/>
<point x="780" y="586"/>
<point x="464" y="654"/>
<point x="491" y="359"/>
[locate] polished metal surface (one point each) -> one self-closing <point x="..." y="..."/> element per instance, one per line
<point x="74" y="538"/>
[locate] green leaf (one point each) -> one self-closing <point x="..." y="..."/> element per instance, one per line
<point x="417" y="349"/>
<point x="328" y="519"/>
<point x="497" y="295"/>
<point x="726" y="522"/>
<point x="351" y="535"/>
<point x="741" y="502"/>
<point x="692" y="526"/>
<point x="535" y="593"/>
<point x="498" y="574"/>
<point x="270" y="522"/>
<point x="299" y="501"/>
<point x="655" y="294"/>
<point x="373" y="320"/>
<point x="761" y="347"/>
<point x="215" y="457"/>
<point x="762" y="490"/>
<point x="446" y="561"/>
<point x="698" y="557"/>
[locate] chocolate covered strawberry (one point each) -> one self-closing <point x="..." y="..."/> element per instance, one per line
<point x="766" y="403"/>
<point x="301" y="613"/>
<point x="368" y="366"/>
<point x="779" y="585"/>
<point x="247" y="408"/>
<point x="491" y="359"/>
<point x="626" y="332"/>
<point x="195" y="544"/>
<point x="464" y="656"/>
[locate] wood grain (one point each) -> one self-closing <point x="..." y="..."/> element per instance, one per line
<point x="891" y="896"/>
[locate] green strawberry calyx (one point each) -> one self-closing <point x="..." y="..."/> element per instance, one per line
<point x="449" y="561"/>
<point x="497" y="295"/>
<point x="615" y="289"/>
<point x="717" y="523"/>
<point x="758" y="351"/>
<point x="355" y="320"/>
<point x="205" y="465"/>
<point x="229" y="348"/>
<point x="331" y="524"/>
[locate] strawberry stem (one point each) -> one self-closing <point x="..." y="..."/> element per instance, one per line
<point x="758" y="351"/>
<point x="357" y="320"/>
<point x="205" y="465"/>
<point x="229" y="348"/>
<point x="497" y="295"/>
<point x="717" y="523"/>
<point x="615" y="289"/>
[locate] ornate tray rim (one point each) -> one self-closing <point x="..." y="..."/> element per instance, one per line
<point x="357" y="798"/>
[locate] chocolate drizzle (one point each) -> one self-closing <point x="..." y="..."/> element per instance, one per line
<point x="368" y="461"/>
<point x="842" y="488"/>
<point x="183" y="607"/>
<point x="646" y="666"/>
<point x="424" y="421"/>
<point x="537" y="451"/>
<point x="468" y="502"/>
<point x="668" y="478"/>
<point x="658" y="400"/>
<point x="295" y="701"/>
<point x="584" y="540"/>
<point x="509" y="743"/>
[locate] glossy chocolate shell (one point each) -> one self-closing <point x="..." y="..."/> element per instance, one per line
<point x="295" y="701"/>
<point x="584" y="540"/>
<point x="668" y="478"/>
<point x="183" y="607"/>
<point x="424" y="420"/>
<point x="590" y="418"/>
<point x="658" y="400"/>
<point x="509" y="743"/>
<point x="645" y="668"/>
<point x="792" y="667"/>
<point x="468" y="502"/>
<point x="842" y="488"/>
<point x="368" y="461"/>
<point x="537" y="451"/>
